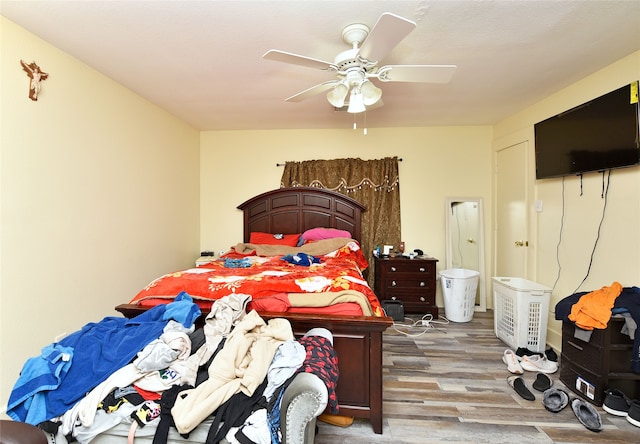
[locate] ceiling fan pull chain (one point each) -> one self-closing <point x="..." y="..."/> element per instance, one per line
<point x="365" y="123"/>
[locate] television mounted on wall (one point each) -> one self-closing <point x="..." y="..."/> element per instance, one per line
<point x="598" y="135"/>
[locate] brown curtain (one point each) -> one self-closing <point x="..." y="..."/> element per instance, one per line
<point x="374" y="183"/>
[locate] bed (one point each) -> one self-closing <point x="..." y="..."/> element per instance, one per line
<point x="357" y="337"/>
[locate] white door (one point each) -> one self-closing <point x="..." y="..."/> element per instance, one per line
<point x="511" y="211"/>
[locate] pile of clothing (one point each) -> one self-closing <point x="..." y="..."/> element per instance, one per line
<point x="157" y="368"/>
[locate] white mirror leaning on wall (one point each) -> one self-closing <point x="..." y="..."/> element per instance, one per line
<point x="465" y="240"/>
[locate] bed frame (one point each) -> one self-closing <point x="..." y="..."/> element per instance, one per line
<point x="357" y="339"/>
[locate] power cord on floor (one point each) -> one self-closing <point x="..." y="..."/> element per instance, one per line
<point x="426" y="323"/>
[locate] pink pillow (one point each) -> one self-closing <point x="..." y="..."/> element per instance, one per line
<point x="316" y="234"/>
<point x="278" y="303"/>
<point x="274" y="239"/>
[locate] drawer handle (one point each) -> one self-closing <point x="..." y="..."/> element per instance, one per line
<point x="393" y="269"/>
<point x="422" y="284"/>
<point x="575" y="345"/>
<point x="422" y="269"/>
<point x="393" y="283"/>
<point x="421" y="298"/>
<point x="393" y="298"/>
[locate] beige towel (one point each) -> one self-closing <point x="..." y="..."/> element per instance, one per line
<point x="317" y="248"/>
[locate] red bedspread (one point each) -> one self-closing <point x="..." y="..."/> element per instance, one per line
<point x="334" y="285"/>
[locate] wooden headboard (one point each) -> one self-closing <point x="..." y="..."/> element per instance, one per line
<point x="295" y="210"/>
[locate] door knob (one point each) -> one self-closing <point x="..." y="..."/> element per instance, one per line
<point x="520" y="243"/>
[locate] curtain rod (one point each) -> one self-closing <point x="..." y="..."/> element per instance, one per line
<point x="282" y="164"/>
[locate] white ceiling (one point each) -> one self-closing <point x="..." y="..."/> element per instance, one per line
<point x="202" y="60"/>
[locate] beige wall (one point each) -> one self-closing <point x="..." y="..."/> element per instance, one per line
<point x="99" y="194"/>
<point x="438" y="162"/>
<point x="617" y="255"/>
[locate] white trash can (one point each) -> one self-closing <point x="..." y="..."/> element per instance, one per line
<point x="459" y="288"/>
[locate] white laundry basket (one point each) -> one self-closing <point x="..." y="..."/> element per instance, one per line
<point x="459" y="288"/>
<point x="521" y="312"/>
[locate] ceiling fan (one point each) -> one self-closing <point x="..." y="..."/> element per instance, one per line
<point x="356" y="67"/>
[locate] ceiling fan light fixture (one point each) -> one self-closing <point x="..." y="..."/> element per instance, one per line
<point x="337" y="95"/>
<point x="370" y="93"/>
<point x="356" y="103"/>
<point x="353" y="90"/>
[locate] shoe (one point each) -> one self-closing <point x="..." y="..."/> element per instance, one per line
<point x="616" y="403"/>
<point x="634" y="413"/>
<point x="520" y="387"/>
<point x="555" y="400"/>
<point x="336" y="420"/>
<point x="538" y="364"/>
<point x="587" y="414"/>
<point x="521" y="352"/>
<point x="509" y="358"/>
<point x="542" y="382"/>
<point x="551" y="355"/>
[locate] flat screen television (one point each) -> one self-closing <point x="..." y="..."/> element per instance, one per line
<point x="601" y="134"/>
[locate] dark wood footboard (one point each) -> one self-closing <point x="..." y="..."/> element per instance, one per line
<point x="358" y="343"/>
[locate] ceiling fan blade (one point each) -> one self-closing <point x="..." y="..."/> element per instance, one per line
<point x="288" y="57"/>
<point x="416" y="73"/>
<point x="389" y="30"/>
<point x="303" y="95"/>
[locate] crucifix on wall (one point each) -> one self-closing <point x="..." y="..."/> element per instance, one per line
<point x="36" y="75"/>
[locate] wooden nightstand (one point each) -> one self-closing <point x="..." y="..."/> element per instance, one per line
<point x="412" y="281"/>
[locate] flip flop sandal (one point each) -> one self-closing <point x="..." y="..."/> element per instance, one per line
<point x="543" y="382"/>
<point x="520" y="387"/>
<point x="587" y="414"/>
<point x="555" y="400"/>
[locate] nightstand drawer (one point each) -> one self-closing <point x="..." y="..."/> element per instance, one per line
<point x="410" y="266"/>
<point x="597" y="336"/>
<point x="590" y="356"/>
<point x="582" y="381"/>
<point x="394" y="282"/>
<point x="407" y="296"/>
<point x="584" y="354"/>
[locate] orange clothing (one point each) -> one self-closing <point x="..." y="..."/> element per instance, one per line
<point x="593" y="310"/>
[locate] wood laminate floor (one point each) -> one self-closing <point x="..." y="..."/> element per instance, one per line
<point x="449" y="386"/>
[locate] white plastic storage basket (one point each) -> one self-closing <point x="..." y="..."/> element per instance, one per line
<point x="459" y="293"/>
<point x="521" y="312"/>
